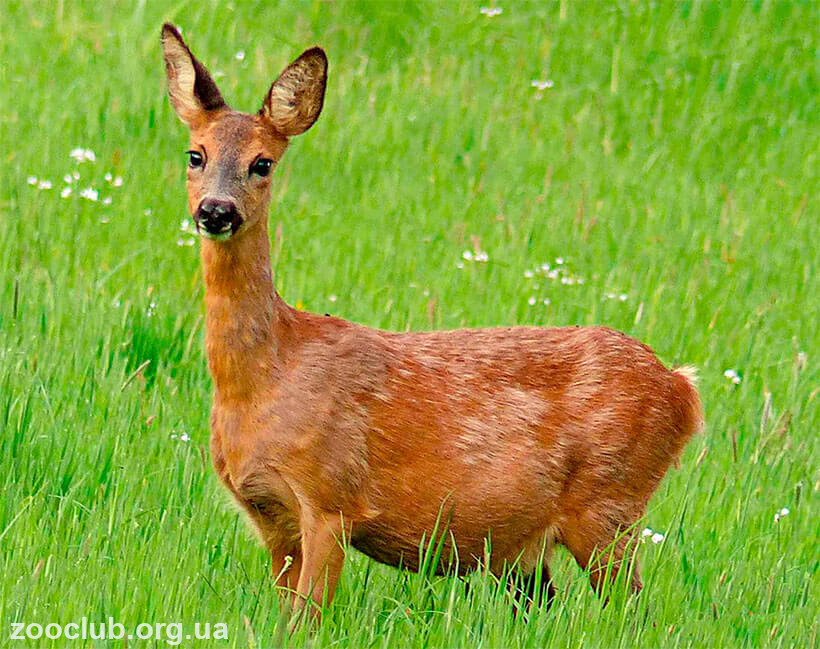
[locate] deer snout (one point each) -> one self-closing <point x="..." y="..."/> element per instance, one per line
<point x="217" y="218"/>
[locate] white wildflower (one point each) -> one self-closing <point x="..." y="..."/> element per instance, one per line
<point x="657" y="537"/>
<point x="117" y="181"/>
<point x="647" y="531"/>
<point x="31" y="180"/>
<point x="528" y="274"/>
<point x="542" y="85"/>
<point x="491" y="12"/>
<point x="333" y="298"/>
<point x="89" y="193"/>
<point x="152" y="309"/>
<point x="559" y="261"/>
<point x="186" y="226"/>
<point x="82" y="155"/>
<point x="68" y="179"/>
<point x="616" y="296"/>
<point x="107" y="200"/>
<point x="184" y="438"/>
<point x="108" y="177"/>
<point x="781" y="514"/>
<point x="477" y="256"/>
<point x="66" y="192"/>
<point x="460" y="264"/>
<point x="733" y="376"/>
<point x="546" y="301"/>
<point x="44" y="184"/>
<point x="240" y="55"/>
<point x="532" y="301"/>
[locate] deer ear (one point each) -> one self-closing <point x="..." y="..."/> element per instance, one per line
<point x="295" y="99"/>
<point x="191" y="89"/>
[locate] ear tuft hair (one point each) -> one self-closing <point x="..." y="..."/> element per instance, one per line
<point x="295" y="99"/>
<point x="190" y="87"/>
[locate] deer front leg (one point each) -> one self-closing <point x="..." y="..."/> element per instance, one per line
<point x="274" y="513"/>
<point x="285" y="551"/>
<point x="286" y="564"/>
<point x="322" y="558"/>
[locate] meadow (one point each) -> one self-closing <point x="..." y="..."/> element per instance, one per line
<point x="648" y="166"/>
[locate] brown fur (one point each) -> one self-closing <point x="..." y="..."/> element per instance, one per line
<point x="324" y="429"/>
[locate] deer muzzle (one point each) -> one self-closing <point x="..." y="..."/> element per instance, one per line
<point x="217" y="218"/>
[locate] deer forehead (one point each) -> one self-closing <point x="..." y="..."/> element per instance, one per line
<point x="233" y="137"/>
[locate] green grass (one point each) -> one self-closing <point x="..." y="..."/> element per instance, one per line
<point x="675" y="160"/>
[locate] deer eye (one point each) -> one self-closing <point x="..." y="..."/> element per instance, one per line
<point x="262" y="167"/>
<point x="195" y="159"/>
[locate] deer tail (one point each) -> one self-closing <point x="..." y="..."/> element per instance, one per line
<point x="688" y="377"/>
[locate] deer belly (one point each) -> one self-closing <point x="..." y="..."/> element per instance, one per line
<point x="462" y="522"/>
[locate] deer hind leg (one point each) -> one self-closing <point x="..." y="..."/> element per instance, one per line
<point x="599" y="542"/>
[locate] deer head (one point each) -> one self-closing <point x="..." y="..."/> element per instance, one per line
<point x="232" y="154"/>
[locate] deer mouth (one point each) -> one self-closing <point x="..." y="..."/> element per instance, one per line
<point x="223" y="233"/>
<point x="218" y="226"/>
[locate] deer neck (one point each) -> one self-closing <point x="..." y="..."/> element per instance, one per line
<point x="244" y="315"/>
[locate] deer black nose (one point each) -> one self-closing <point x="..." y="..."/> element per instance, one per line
<point x="216" y="206"/>
<point x="217" y="217"/>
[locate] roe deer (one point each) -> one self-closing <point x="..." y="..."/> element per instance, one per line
<point x="325" y="430"/>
